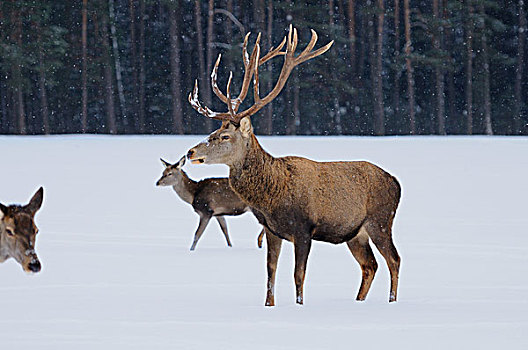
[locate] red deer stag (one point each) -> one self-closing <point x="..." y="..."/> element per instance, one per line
<point x="295" y="198"/>
<point x="18" y="233"/>
<point x="208" y="197"/>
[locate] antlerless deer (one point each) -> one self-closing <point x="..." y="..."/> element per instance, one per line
<point x="295" y="198"/>
<point x="209" y="197"/>
<point x="18" y="233"/>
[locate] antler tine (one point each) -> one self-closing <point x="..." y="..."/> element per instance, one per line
<point x="294" y="39"/>
<point x="247" y="75"/>
<point x="245" y="55"/>
<point x="256" y="96"/>
<point x="290" y="61"/>
<point x="229" y="101"/>
<point x="251" y="64"/>
<point x="315" y="53"/>
<point x="195" y="103"/>
<point x="311" y="44"/>
<point x="289" y="46"/>
<point x="214" y="83"/>
<point x="273" y="52"/>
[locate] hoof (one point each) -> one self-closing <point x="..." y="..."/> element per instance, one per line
<point x="270" y="303"/>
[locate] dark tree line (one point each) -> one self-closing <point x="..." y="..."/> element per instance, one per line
<point x="397" y="66"/>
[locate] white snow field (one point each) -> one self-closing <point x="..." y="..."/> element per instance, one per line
<point x="118" y="274"/>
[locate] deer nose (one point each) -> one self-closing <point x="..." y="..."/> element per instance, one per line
<point x="190" y="153"/>
<point x="34" y="266"/>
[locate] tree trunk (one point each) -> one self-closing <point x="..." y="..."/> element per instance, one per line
<point x="229" y="35"/>
<point x="352" y="39"/>
<point x="44" y="102"/>
<point x="379" y="115"/>
<point x="451" y="94"/>
<point x="209" y="60"/>
<point x="331" y="13"/>
<point x="409" y="67"/>
<point x="296" y="107"/>
<point x="17" y="76"/>
<point x="107" y="76"/>
<point x="396" y="61"/>
<point x="142" y="75"/>
<point x="133" y="65"/>
<point x="4" y="116"/>
<point x="439" y="71"/>
<point x="201" y="60"/>
<point x="268" y="113"/>
<point x="117" y="62"/>
<point x="177" y="116"/>
<point x="469" y="68"/>
<point x="84" y="73"/>
<point x="519" y="102"/>
<point x="486" y="64"/>
<point x="42" y="81"/>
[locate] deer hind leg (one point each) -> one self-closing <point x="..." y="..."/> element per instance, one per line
<point x="274" y="247"/>
<point x="360" y="248"/>
<point x="204" y="220"/>
<point x="302" y="249"/>
<point x="223" y="225"/>
<point x="381" y="235"/>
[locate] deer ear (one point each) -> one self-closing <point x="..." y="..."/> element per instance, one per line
<point x="36" y="201"/>
<point x="245" y="127"/>
<point x="166" y="164"/>
<point x="181" y="162"/>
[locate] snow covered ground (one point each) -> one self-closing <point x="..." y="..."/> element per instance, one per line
<point x="118" y="273"/>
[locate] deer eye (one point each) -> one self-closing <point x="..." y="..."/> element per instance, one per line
<point x="225" y="137"/>
<point x="10" y="231"/>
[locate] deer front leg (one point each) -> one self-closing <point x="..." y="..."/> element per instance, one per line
<point x="204" y="220"/>
<point x="223" y="225"/>
<point x="302" y="249"/>
<point x="274" y="247"/>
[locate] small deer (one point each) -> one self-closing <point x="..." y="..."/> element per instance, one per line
<point x="295" y="198"/>
<point x="208" y="197"/>
<point x="18" y="233"/>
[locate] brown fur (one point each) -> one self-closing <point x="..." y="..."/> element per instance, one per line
<point x="298" y="199"/>
<point x="18" y="233"/>
<point x="208" y="197"/>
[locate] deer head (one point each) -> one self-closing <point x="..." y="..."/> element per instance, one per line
<point x="18" y="233"/>
<point x="171" y="173"/>
<point x="229" y="143"/>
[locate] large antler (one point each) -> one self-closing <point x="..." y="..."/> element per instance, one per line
<point x="251" y="64"/>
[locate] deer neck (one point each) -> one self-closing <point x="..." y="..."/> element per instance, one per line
<point x="258" y="178"/>
<point x="185" y="187"/>
<point x="4" y="254"/>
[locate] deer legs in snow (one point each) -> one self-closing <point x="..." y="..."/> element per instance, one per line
<point x="204" y="220"/>
<point x="274" y="247"/>
<point x="223" y="225"/>
<point x="302" y="249"/>
<point x="360" y="249"/>
<point x="382" y="239"/>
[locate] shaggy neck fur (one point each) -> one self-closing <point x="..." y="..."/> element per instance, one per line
<point x="258" y="178"/>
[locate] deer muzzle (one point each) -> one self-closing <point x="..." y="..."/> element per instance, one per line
<point x="32" y="262"/>
<point x="191" y="155"/>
